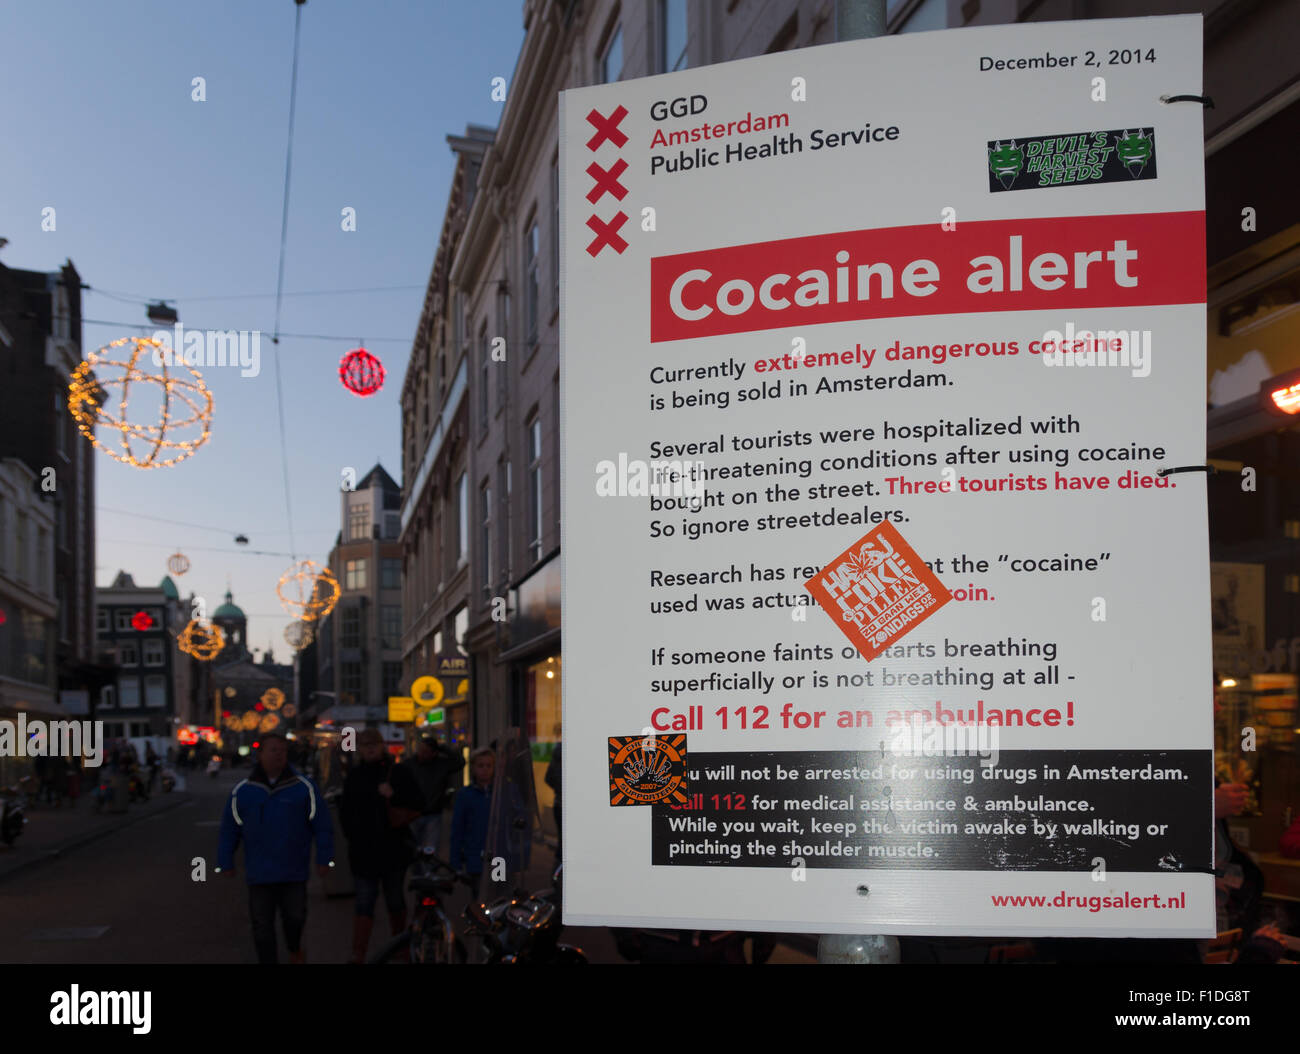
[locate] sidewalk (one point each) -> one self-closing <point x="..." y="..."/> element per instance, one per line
<point x="51" y="831"/>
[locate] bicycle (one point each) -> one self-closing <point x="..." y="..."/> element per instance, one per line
<point x="429" y="936"/>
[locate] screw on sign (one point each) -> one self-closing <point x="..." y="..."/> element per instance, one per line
<point x="361" y="373"/>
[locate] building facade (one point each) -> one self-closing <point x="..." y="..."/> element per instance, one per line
<point x="481" y="515"/>
<point x="155" y="686"/>
<point x="40" y="346"/>
<point x="359" y="645"/>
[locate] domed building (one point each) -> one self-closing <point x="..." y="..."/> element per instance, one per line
<point x="234" y="624"/>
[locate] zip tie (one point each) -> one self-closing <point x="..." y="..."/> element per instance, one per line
<point x="1208" y="469"/>
<point x="1204" y="100"/>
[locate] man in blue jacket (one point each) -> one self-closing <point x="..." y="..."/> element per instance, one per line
<point x="276" y="813"/>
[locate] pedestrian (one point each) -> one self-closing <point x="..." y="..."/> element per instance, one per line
<point x="152" y="762"/>
<point x="276" y="813"/>
<point x="555" y="781"/>
<point x="469" y="818"/>
<point x="380" y="799"/>
<point x="435" y="769"/>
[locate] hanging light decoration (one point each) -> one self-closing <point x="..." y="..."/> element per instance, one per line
<point x="273" y="699"/>
<point x="250" y="720"/>
<point x="88" y="396"/>
<point x="299" y="634"/>
<point x="361" y="373"/>
<point x="203" y="640"/>
<point x="142" y="621"/>
<point x="308" y="591"/>
<point x="230" y="691"/>
<point x="289" y="710"/>
<point x="178" y="563"/>
<point x="267" y="723"/>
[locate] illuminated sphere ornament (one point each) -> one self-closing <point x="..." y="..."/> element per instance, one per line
<point x="361" y="373"/>
<point x="178" y="563"/>
<point x="203" y="640"/>
<point x="250" y="720"/>
<point x="230" y="691"/>
<point x="185" y="404"/>
<point x="299" y="635"/>
<point x="268" y="723"/>
<point x="308" y="591"/>
<point x="273" y="699"/>
<point x="289" y="710"/>
<point x="142" y="621"/>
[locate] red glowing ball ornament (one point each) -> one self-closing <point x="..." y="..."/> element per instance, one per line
<point x="142" y="621"/>
<point x="361" y="373"/>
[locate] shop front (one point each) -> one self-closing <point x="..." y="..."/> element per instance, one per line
<point x="1253" y="441"/>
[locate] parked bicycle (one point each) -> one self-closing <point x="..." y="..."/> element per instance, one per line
<point x="429" y="936"/>
<point x="13" y="811"/>
<point x="524" y="928"/>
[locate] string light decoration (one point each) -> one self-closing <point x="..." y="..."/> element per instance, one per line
<point x="268" y="723"/>
<point x="88" y="396"/>
<point x="273" y="699"/>
<point x="308" y="591"/>
<point x="178" y="563"/>
<point x="230" y="691"/>
<point x="204" y="641"/>
<point x="361" y="373"/>
<point x="142" y="621"/>
<point x="250" y="720"/>
<point x="299" y="634"/>
<point x="289" y="710"/>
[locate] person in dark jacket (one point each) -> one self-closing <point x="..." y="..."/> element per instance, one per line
<point x="469" y="818"/>
<point x="555" y="780"/>
<point x="377" y="792"/>
<point x="435" y="769"/>
<point x="275" y="814"/>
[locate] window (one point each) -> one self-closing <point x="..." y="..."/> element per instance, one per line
<point x="611" y="62"/>
<point x="107" y="701"/>
<point x="122" y="620"/>
<point x="22" y="561"/>
<point x="358" y="522"/>
<point x="503" y="533"/>
<point x="42" y="559"/>
<point x="128" y="654"/>
<point x="392" y="674"/>
<point x="460" y="626"/>
<point x="503" y="331"/>
<point x="128" y="692"/>
<point x="531" y="245"/>
<point x="350" y="628"/>
<point x="485" y="504"/>
<point x="140" y="729"/>
<point x="673" y="34"/>
<point x="350" y="681"/>
<point x="355" y="574"/>
<point x="535" y="488"/>
<point x="390" y="626"/>
<point x="462" y="519"/>
<point x="390" y="572"/>
<point x="155" y="690"/>
<point x="485" y="375"/>
<point x="101" y="620"/>
<point x="153" y="653"/>
<point x="60" y="437"/>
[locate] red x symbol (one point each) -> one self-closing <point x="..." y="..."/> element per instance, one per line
<point x="607" y="234"/>
<point x="607" y="181"/>
<point x="606" y="127"/>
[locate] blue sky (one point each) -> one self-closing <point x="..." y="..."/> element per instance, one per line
<point x="159" y="196"/>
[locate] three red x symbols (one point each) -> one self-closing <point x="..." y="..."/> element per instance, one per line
<point x="607" y="127"/>
<point x="607" y="233"/>
<point x="606" y="181"/>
